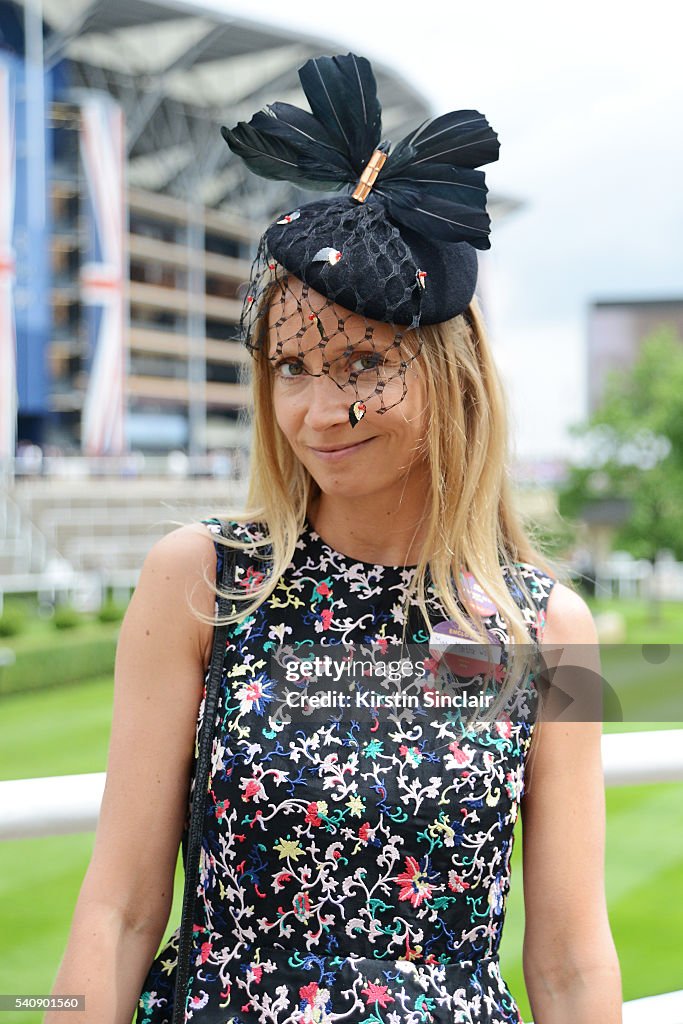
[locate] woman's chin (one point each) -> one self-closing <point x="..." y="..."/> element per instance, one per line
<point x="335" y="488"/>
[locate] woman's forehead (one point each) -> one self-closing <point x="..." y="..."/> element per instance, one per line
<point x="297" y="303"/>
<point x="293" y="295"/>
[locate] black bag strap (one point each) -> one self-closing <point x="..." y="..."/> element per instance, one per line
<point x="200" y="790"/>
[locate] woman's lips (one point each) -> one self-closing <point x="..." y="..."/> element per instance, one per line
<point x="342" y="452"/>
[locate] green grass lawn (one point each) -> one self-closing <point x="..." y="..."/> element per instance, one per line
<point x="642" y="626"/>
<point x="66" y="731"/>
<point x="52" y="732"/>
<point x="644" y="885"/>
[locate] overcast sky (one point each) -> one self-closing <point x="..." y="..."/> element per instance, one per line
<point x="587" y="102"/>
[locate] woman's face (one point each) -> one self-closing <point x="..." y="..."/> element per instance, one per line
<point x="313" y="411"/>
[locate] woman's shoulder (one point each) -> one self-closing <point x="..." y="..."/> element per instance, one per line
<point x="252" y="540"/>
<point x="528" y="568"/>
<point x="527" y="583"/>
<point x="563" y="615"/>
<point x="569" y="618"/>
<point x="244" y="531"/>
<point x="539" y="582"/>
<point x="251" y="536"/>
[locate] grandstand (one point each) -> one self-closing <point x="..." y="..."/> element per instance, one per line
<point x="126" y="298"/>
<point x="126" y="325"/>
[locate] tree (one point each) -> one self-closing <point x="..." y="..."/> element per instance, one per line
<point x="634" y="450"/>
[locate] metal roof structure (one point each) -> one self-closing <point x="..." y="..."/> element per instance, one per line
<point x="180" y="70"/>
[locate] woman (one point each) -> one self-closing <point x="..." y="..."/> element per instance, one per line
<point x="355" y="861"/>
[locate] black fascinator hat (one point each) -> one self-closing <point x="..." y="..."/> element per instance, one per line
<point x="398" y="245"/>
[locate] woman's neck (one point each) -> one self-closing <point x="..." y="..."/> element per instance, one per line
<point x="370" y="530"/>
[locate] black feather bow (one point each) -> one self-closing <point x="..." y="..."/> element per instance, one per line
<point x="428" y="182"/>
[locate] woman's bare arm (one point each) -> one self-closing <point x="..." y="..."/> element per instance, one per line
<point x="570" y="963"/>
<point x="127" y="892"/>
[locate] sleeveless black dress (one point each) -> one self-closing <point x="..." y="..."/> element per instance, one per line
<point x="354" y="867"/>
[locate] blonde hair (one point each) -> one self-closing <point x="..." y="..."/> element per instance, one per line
<point x="472" y="523"/>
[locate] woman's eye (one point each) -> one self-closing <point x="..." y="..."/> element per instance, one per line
<point x="298" y="370"/>
<point x="374" y="357"/>
<point x="287" y="364"/>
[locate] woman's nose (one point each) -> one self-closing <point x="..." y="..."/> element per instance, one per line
<point x="327" y="403"/>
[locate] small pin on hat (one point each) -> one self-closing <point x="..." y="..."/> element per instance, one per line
<point x="314" y="318"/>
<point x="327" y="254"/>
<point x="289" y="217"/>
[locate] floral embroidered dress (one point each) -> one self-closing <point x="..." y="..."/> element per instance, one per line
<point x="354" y="869"/>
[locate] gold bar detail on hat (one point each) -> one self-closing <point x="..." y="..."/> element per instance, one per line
<point x="369" y="175"/>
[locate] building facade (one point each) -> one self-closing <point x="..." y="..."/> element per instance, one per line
<point x="127" y="227"/>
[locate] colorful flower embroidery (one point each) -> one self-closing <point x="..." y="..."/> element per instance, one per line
<point x="350" y="870"/>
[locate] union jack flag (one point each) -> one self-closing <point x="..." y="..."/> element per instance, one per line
<point x="8" y="339"/>
<point x="103" y="278"/>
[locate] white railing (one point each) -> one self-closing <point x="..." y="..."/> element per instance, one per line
<point x="227" y="462"/>
<point x="664" y="1009"/>
<point x="17" y="530"/>
<point x="630" y="758"/>
<point x="622" y="576"/>
<point x="71" y="803"/>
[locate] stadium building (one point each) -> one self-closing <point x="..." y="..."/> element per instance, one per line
<point x="127" y="230"/>
<point x="126" y="226"/>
